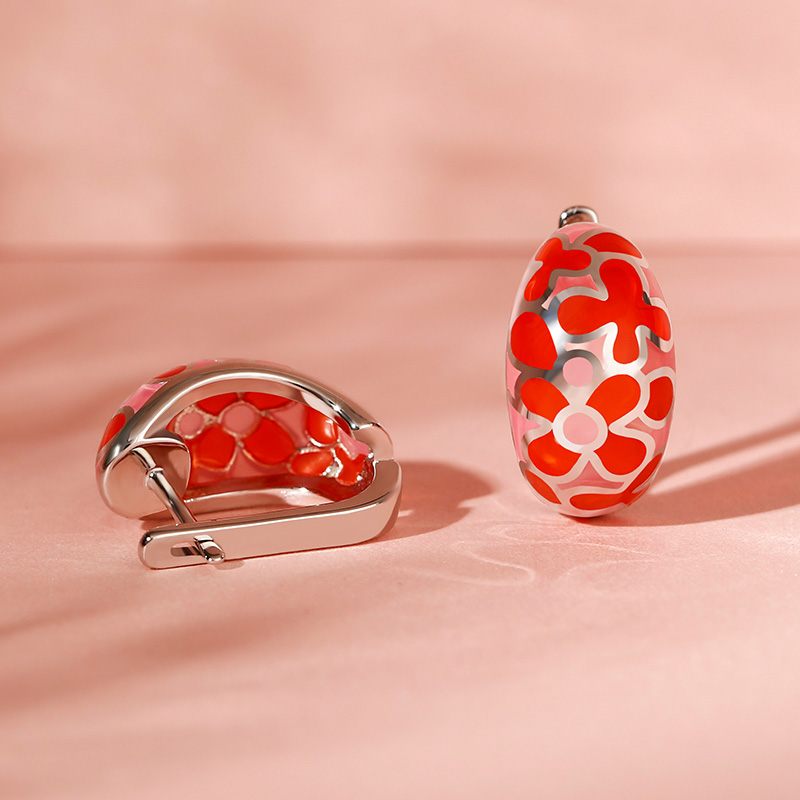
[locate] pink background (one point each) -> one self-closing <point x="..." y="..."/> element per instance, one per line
<point x="355" y="189"/>
<point x="178" y="122"/>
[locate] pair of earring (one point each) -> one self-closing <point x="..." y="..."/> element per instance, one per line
<point x="590" y="375"/>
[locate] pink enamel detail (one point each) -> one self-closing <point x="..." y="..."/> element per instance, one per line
<point x="520" y="425"/>
<point x="580" y="429"/>
<point x="190" y="424"/>
<point x="578" y="371"/>
<point x="512" y="373"/>
<point x="565" y="282"/>
<point x="656" y="359"/>
<point x="142" y="395"/>
<point x="572" y="232"/>
<point x="240" y="418"/>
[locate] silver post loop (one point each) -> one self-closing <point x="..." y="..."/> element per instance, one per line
<point x="577" y="214"/>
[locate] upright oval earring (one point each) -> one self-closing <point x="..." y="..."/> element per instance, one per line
<point x="590" y="369"/>
<point x="240" y="435"/>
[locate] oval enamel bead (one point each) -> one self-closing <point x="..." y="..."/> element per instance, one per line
<point x="590" y="371"/>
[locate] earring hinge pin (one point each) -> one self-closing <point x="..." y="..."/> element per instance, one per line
<point x="157" y="481"/>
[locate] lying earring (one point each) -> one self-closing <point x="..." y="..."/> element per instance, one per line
<point x="240" y="435"/>
<point x="590" y="369"/>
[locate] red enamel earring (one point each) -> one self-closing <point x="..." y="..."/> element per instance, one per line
<point x="590" y="370"/>
<point x="239" y="436"/>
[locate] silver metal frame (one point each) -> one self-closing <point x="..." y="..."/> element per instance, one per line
<point x="145" y="468"/>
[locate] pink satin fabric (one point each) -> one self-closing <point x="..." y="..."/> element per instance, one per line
<point x="180" y="122"/>
<point x="484" y="647"/>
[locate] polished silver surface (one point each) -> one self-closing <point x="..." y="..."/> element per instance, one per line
<point x="209" y="549"/>
<point x="156" y="480"/>
<point x="356" y="519"/>
<point x="577" y="214"/>
<point x="145" y="469"/>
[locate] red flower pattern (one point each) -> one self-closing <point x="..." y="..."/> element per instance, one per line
<point x="531" y="342"/>
<point x="613" y="399"/>
<point x="625" y="307"/>
<point x="264" y="436"/>
<point x="554" y="257"/>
